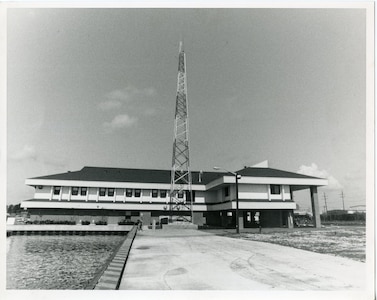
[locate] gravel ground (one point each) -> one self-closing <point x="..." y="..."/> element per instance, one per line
<point x="344" y="241"/>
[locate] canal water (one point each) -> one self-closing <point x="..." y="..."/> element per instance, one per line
<point x="57" y="262"/>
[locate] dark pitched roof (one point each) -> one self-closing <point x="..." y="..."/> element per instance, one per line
<point x="127" y="175"/>
<point x="268" y="172"/>
<point x="159" y="176"/>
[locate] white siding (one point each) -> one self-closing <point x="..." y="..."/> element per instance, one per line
<point x="287" y="192"/>
<point x="43" y="193"/>
<point x="92" y="194"/>
<point x="253" y="191"/>
<point x="200" y="197"/>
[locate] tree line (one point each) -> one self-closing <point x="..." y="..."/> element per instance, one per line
<point x="14" y="209"/>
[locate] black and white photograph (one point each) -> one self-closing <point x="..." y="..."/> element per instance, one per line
<point x="171" y="149"/>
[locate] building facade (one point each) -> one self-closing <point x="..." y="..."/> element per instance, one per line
<point x="265" y="196"/>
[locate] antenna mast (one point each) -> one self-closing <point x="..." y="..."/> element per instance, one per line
<point x="180" y="190"/>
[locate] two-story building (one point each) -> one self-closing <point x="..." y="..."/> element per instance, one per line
<point x="114" y="194"/>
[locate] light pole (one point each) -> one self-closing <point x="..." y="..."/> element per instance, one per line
<point x="237" y="176"/>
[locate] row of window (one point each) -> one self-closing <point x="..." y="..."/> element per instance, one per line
<point x="75" y="190"/>
<point x="111" y="192"/>
<point x="274" y="190"/>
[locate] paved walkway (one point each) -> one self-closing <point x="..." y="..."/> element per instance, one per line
<point x="196" y="260"/>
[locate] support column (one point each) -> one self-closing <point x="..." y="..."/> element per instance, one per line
<point x="146" y="218"/>
<point x="290" y="219"/>
<point x="240" y="221"/>
<point x="315" y="206"/>
<point x="198" y="218"/>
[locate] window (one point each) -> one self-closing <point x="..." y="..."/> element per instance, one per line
<point x="83" y="191"/>
<point x="57" y="190"/>
<point x="163" y="193"/>
<point x="110" y="192"/>
<point x="180" y="194"/>
<point x="102" y="192"/>
<point x="192" y="196"/>
<point x="75" y="191"/>
<point x="128" y="192"/>
<point x="154" y="193"/>
<point x="137" y="193"/>
<point x="275" y="189"/>
<point x="226" y="191"/>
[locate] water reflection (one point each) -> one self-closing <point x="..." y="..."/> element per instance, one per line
<point x="56" y="262"/>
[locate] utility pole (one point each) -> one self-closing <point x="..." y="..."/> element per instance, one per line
<point x="325" y="207"/>
<point x="325" y="197"/>
<point x="342" y="195"/>
<point x="180" y="189"/>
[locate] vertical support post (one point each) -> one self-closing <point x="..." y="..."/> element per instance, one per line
<point x="290" y="219"/>
<point x="69" y="193"/>
<point x="315" y="206"/>
<point x="240" y="222"/>
<point x="237" y="207"/>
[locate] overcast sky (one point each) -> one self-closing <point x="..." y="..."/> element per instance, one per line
<point x="96" y="87"/>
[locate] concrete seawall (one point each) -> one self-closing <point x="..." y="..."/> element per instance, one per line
<point x="110" y="277"/>
<point x="67" y="229"/>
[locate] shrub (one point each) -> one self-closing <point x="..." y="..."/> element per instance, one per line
<point x="101" y="223"/>
<point x="126" y="222"/>
<point x="85" y="222"/>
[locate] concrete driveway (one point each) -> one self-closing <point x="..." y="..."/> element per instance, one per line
<point x="195" y="260"/>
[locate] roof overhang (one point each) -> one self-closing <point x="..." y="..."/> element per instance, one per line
<point x="106" y="184"/>
<point x="252" y="205"/>
<point x="304" y="182"/>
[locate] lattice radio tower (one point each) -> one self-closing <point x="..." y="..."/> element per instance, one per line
<point x="180" y="190"/>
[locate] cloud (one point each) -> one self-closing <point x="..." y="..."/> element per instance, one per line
<point x="116" y="98"/>
<point x="109" y="104"/>
<point x="120" y="121"/>
<point x="27" y="152"/>
<point x="130" y="93"/>
<point x="313" y="170"/>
